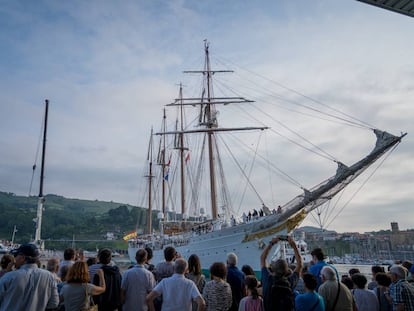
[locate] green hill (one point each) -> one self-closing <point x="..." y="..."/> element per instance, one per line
<point x="64" y="219"/>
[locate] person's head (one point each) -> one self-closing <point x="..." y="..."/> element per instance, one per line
<point x="232" y="259"/>
<point x="170" y="253"/>
<point x="69" y="254"/>
<point x="91" y="261"/>
<point x="317" y="254"/>
<point x="251" y="283"/>
<point x="310" y="281"/>
<point x="26" y="253"/>
<point x="105" y="256"/>
<point x="247" y="270"/>
<point x="352" y="271"/>
<point x="279" y="267"/>
<point x="6" y="260"/>
<point x="383" y="279"/>
<point x="328" y="274"/>
<point x="359" y="280"/>
<point x="376" y="269"/>
<point x="78" y="273"/>
<point x="141" y="256"/>
<point x="149" y="253"/>
<point x="64" y="273"/>
<point x="347" y="281"/>
<point x="194" y="264"/>
<point x="407" y="264"/>
<point x="180" y="266"/>
<point x="219" y="270"/>
<point x="398" y="272"/>
<point x="53" y="265"/>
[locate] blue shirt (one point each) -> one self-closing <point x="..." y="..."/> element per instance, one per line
<point x="28" y="289"/>
<point x="235" y="278"/>
<point x="305" y="302"/>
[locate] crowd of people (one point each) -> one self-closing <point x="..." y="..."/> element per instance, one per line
<point x="75" y="283"/>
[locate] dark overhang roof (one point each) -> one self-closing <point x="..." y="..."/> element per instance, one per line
<point x="405" y="7"/>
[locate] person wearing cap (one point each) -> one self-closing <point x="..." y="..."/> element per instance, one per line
<point x="28" y="288"/>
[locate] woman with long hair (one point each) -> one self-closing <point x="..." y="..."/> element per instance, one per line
<point x="76" y="292"/>
<point x="194" y="274"/>
<point x="252" y="302"/>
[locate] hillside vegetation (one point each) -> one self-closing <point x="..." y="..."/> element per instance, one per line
<point x="64" y="219"/>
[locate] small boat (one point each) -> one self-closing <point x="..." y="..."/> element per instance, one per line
<point x="200" y="220"/>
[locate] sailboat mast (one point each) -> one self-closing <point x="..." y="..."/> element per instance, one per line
<point x="163" y="165"/>
<point x="41" y="201"/>
<point x="181" y="138"/>
<point x="210" y="135"/>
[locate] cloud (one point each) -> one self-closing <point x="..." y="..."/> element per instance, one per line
<point x="108" y="69"/>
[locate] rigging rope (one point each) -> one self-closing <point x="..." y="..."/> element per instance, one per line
<point x="304" y="96"/>
<point x="363" y="184"/>
<point x="37" y="154"/>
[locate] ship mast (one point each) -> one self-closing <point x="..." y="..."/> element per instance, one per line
<point x="209" y="123"/>
<point x="182" y="149"/>
<point x="37" y="239"/>
<point x="149" y="176"/>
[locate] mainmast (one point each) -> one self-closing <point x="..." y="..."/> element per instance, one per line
<point x="182" y="149"/>
<point x="37" y="239"/>
<point x="209" y="123"/>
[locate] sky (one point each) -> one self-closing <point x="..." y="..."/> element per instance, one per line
<point x="108" y="67"/>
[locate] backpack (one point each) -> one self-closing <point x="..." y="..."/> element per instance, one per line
<point x="111" y="298"/>
<point x="282" y="297"/>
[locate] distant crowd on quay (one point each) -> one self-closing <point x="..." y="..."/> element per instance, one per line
<point x="77" y="283"/>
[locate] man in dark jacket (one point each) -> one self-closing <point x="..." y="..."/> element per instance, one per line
<point x="235" y="277"/>
<point x="110" y="300"/>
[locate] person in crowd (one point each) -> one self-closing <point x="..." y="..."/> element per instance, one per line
<point x="80" y="255"/>
<point x="148" y="264"/>
<point x="133" y="296"/>
<point x="253" y="301"/>
<point x="401" y="291"/>
<point x="75" y="294"/>
<point x="248" y="270"/>
<point x="278" y="274"/>
<point x="194" y="274"/>
<point x="69" y="256"/>
<point x="7" y="264"/>
<point x="53" y="267"/>
<point x="310" y="300"/>
<point x="166" y="268"/>
<point x="110" y="300"/>
<point x="374" y="270"/>
<point x="177" y="291"/>
<point x="408" y="265"/>
<point x="64" y="273"/>
<point x="91" y="261"/>
<point x="347" y="281"/>
<point x="352" y="271"/>
<point x="335" y="294"/>
<point x="365" y="299"/>
<point x="383" y="281"/>
<point x="235" y="277"/>
<point x="28" y="288"/>
<point x="104" y="254"/>
<point x="318" y="257"/>
<point x="217" y="293"/>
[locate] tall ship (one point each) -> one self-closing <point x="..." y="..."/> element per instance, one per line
<point x="217" y="209"/>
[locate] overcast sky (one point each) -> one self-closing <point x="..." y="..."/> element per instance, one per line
<point x="108" y="67"/>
